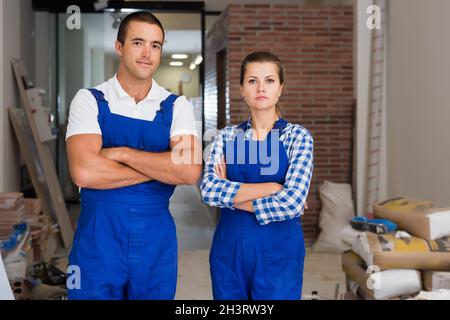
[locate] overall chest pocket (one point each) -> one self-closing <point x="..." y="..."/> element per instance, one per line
<point x="252" y="162"/>
<point x="154" y="137"/>
<point x="240" y="173"/>
<point x="121" y="131"/>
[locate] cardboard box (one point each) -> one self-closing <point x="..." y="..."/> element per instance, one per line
<point x="10" y="200"/>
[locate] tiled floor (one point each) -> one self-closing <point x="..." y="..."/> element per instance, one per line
<point x="194" y="220"/>
<point x="195" y="228"/>
<point x="322" y="274"/>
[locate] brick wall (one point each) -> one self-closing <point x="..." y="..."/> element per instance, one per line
<point x="315" y="44"/>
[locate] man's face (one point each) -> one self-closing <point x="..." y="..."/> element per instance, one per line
<point x="140" y="54"/>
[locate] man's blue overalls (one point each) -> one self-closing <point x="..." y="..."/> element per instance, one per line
<point x="249" y="260"/>
<point x="125" y="244"/>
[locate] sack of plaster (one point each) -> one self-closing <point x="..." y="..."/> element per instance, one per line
<point x="386" y="251"/>
<point x="380" y="285"/>
<point x="435" y="280"/>
<point x="337" y="211"/>
<point x="418" y="217"/>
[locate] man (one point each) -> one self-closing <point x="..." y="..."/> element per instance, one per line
<point x="129" y="142"/>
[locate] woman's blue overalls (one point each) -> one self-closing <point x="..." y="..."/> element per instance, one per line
<point x="125" y="244"/>
<point x="249" y="260"/>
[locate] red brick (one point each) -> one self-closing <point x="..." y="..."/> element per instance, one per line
<point x="315" y="44"/>
<point x="256" y="6"/>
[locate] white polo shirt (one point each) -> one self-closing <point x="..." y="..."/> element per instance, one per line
<point x="84" y="110"/>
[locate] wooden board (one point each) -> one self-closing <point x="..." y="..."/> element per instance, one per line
<point x="28" y="150"/>
<point x="39" y="159"/>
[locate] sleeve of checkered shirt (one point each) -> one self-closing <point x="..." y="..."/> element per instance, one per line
<point x="290" y="201"/>
<point x="218" y="192"/>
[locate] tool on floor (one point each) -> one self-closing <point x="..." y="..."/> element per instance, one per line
<point x="378" y="226"/>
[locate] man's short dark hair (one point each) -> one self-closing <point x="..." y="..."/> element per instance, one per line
<point x="142" y="16"/>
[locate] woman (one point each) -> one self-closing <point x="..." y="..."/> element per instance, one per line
<point x="259" y="174"/>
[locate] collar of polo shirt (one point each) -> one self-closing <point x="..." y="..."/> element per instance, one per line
<point x="153" y="94"/>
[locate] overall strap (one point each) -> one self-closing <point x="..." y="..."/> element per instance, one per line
<point x="243" y="125"/>
<point x="103" y="106"/>
<point x="167" y="109"/>
<point x="281" y="124"/>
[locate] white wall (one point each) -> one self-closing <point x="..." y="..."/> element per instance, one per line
<point x="168" y="78"/>
<point x="45" y="57"/>
<point x="18" y="42"/>
<point x="93" y="26"/>
<point x="362" y="55"/>
<point x="43" y="49"/>
<point x="2" y="100"/>
<point x="72" y="55"/>
<point x="71" y="65"/>
<point x="418" y="100"/>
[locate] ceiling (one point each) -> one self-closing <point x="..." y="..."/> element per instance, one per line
<point x="183" y="30"/>
<point x="219" y="5"/>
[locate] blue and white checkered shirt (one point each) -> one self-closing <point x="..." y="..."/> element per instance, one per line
<point x="290" y="201"/>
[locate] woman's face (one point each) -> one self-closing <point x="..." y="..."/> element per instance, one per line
<point x="261" y="88"/>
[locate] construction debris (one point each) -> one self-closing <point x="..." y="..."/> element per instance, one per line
<point x="412" y="263"/>
<point x="27" y="242"/>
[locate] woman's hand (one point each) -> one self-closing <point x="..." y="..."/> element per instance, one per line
<point x="221" y="169"/>
<point x="275" y="187"/>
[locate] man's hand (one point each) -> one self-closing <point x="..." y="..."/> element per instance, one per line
<point x="181" y="165"/>
<point x="115" y="154"/>
<point x="91" y="169"/>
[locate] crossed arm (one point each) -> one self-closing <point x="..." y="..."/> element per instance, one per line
<point x="268" y="201"/>
<point x="93" y="167"/>
<point x="249" y="191"/>
<point x="218" y="191"/>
